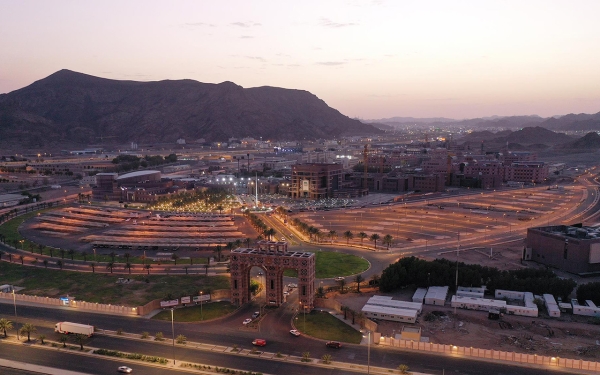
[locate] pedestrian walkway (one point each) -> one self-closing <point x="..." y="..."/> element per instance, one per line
<point x="36" y="368"/>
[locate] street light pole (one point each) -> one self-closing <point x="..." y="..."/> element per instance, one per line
<point x="15" y="305"/>
<point x="369" y="353"/>
<point x="201" y="315"/>
<point x="173" y="334"/>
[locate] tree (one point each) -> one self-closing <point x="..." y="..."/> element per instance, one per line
<point x="28" y="329"/>
<point x="128" y="267"/>
<point x="80" y="339"/>
<point x="358" y="279"/>
<point x="218" y="250"/>
<point x="63" y="339"/>
<point x="42" y="338"/>
<point x="127" y="256"/>
<point x="21" y="258"/>
<point x="374" y="237"/>
<point x="248" y="240"/>
<point x="342" y="284"/>
<point x="387" y="239"/>
<point x="348" y="235"/>
<point x="59" y="263"/>
<point x="148" y="267"/>
<point x="110" y="266"/>
<point x="51" y="250"/>
<point x="206" y="269"/>
<point x="62" y="253"/>
<point x="326" y="358"/>
<point x="5" y="325"/>
<point x="220" y="209"/>
<point x="332" y="235"/>
<point x="362" y="236"/>
<point x="71" y="253"/>
<point x="93" y="265"/>
<point x="112" y="256"/>
<point x="175" y="257"/>
<point x="45" y="261"/>
<point x="403" y="369"/>
<point x="84" y="254"/>
<point x="181" y="339"/>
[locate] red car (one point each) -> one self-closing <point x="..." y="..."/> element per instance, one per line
<point x="333" y="344"/>
<point x="259" y="342"/>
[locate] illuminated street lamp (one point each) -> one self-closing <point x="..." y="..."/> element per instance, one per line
<point x="15" y="305"/>
<point x="173" y="334"/>
<point x="368" y="351"/>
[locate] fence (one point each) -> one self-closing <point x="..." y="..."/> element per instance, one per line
<point x="461" y="351"/>
<point x="80" y="305"/>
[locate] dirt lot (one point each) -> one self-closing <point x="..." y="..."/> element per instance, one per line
<point x="569" y="336"/>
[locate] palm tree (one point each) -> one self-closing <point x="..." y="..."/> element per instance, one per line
<point x="358" y="279"/>
<point x="5" y="325"/>
<point x="112" y="256"/>
<point x="206" y="269"/>
<point x="21" y="258"/>
<point x="62" y="253"/>
<point x="10" y="257"/>
<point x="362" y="236"/>
<point x="41" y="248"/>
<point x="109" y="266"/>
<point x="51" y="250"/>
<point x="59" y="263"/>
<point x="342" y="284"/>
<point x="93" y="265"/>
<point x="387" y="239"/>
<point x="332" y="235"/>
<point x="220" y="208"/>
<point x="148" y="267"/>
<point x="28" y="329"/>
<point x="80" y="339"/>
<point x="248" y="241"/>
<point x="127" y="256"/>
<point x="63" y="339"/>
<point x="45" y="263"/>
<point x="71" y="253"/>
<point x="218" y="250"/>
<point x="375" y="279"/>
<point x="374" y="237"/>
<point x="348" y="235"/>
<point x="175" y="257"/>
<point x="317" y="232"/>
<point x="128" y="267"/>
<point x="84" y="255"/>
<point x="42" y="338"/>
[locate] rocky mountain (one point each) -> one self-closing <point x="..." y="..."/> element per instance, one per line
<point x="572" y="121"/>
<point x="74" y="108"/>
<point x="590" y="141"/>
<point x="537" y="134"/>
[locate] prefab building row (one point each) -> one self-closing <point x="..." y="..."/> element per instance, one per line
<point x="464" y="291"/>
<point x="419" y="295"/>
<point x="551" y="305"/>
<point x="389" y="302"/>
<point x="481" y="304"/>
<point x="390" y="313"/>
<point x="436" y="295"/>
<point x="589" y="309"/>
<point x="509" y="294"/>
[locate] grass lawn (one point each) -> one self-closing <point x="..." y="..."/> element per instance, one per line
<point x="331" y="264"/>
<point x="325" y="326"/>
<point x="102" y="288"/>
<point x="197" y="313"/>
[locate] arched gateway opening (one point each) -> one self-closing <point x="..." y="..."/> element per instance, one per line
<point x="274" y="258"/>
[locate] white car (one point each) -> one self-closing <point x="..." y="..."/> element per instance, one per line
<point x="125" y="369"/>
<point x="339" y="278"/>
<point x="247" y="321"/>
<point x="295" y="332"/>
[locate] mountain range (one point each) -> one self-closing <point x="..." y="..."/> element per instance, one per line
<point x="70" y="108"/>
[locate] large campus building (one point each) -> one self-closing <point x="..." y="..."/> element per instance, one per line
<point x="140" y="186"/>
<point x="316" y="180"/>
<point x="569" y="248"/>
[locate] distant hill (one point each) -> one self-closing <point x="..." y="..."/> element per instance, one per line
<point x="537" y="134"/>
<point x="571" y="121"/>
<point x="74" y="108"/>
<point x="590" y="141"/>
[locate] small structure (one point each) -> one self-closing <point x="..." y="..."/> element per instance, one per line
<point x="436" y="295"/>
<point x="551" y="306"/>
<point x="389" y="302"/>
<point x="589" y="309"/>
<point x="390" y="313"/>
<point x="410" y="333"/>
<point x="463" y="291"/>
<point x="481" y="304"/>
<point x="419" y="295"/>
<point x="6" y="288"/>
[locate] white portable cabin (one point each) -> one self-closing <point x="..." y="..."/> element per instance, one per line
<point x="481" y="304"/>
<point x="436" y="295"/>
<point x="509" y="294"/>
<point x="589" y="309"/>
<point x="464" y="291"/>
<point x="390" y="313"/>
<point x="551" y="305"/>
<point x="389" y="302"/>
<point x="419" y="295"/>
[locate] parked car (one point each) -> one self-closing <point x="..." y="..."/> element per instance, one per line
<point x="247" y="321"/>
<point x="259" y="342"/>
<point x="339" y="278"/>
<point x="295" y="332"/>
<point x="256" y="314"/>
<point x="125" y="369"/>
<point x="333" y="344"/>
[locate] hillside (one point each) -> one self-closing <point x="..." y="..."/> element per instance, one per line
<point x="74" y="108"/>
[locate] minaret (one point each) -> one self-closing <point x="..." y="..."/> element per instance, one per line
<point x="256" y="191"/>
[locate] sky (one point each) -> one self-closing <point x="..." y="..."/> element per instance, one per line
<point x="368" y="59"/>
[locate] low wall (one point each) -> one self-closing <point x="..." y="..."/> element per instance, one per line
<point x="460" y="351"/>
<point x="80" y="305"/>
<point x="331" y="304"/>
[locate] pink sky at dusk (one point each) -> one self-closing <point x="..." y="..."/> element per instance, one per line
<point x="368" y="59"/>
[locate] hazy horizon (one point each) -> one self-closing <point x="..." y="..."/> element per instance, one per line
<point x="367" y="59"/>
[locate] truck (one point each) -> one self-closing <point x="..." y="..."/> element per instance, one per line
<point x="76" y="328"/>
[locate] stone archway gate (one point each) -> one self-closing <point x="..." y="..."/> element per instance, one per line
<point x="274" y="258"/>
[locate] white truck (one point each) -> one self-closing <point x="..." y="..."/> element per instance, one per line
<point x="76" y="328"/>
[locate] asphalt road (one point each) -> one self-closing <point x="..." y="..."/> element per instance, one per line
<point x="229" y="332"/>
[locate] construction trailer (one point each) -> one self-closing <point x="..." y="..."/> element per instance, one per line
<point x="419" y="295"/>
<point x="436" y="295"/>
<point x="470" y="292"/>
<point x="480" y="304"/>
<point x="589" y="309"/>
<point x="551" y="305"/>
<point x="389" y="302"/>
<point x="390" y="313"/>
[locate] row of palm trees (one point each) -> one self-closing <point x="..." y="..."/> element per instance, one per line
<point x="27" y="329"/>
<point x="260" y="226"/>
<point x="315" y="234"/>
